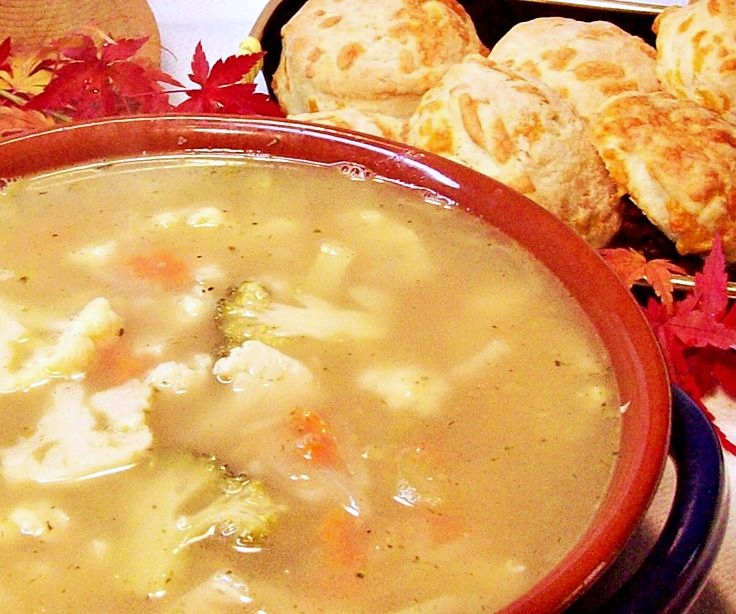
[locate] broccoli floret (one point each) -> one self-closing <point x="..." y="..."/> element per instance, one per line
<point x="183" y="499"/>
<point x="238" y="312"/>
<point x="249" y="311"/>
<point x="241" y="512"/>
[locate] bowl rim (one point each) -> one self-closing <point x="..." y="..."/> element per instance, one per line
<point x="609" y="304"/>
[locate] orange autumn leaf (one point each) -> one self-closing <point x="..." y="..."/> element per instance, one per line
<point x="25" y="75"/>
<point x="632" y="267"/>
<point x="14" y="120"/>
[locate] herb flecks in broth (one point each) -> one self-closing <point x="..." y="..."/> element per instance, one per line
<point x="393" y="423"/>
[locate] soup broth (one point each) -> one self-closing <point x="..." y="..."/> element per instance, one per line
<point x="252" y="385"/>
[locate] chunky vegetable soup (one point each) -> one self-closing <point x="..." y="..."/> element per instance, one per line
<point x="222" y="391"/>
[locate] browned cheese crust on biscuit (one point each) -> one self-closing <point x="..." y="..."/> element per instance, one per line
<point x="378" y="56"/>
<point x="586" y="62"/>
<point x="521" y="132"/>
<point x="696" y="53"/>
<point x="677" y="160"/>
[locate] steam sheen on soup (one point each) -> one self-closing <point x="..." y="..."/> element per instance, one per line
<point x="223" y="392"/>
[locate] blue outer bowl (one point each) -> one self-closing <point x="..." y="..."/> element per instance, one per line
<point x="676" y="569"/>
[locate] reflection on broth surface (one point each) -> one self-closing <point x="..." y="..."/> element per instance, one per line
<point x="222" y="391"/>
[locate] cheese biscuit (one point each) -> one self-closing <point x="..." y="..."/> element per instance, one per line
<point x="677" y="161"/>
<point x="379" y="56"/>
<point x="586" y="62"/>
<point x="696" y="53"/>
<point x="521" y="132"/>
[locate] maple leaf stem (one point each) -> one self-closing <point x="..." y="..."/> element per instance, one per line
<point x="15" y="99"/>
<point x="60" y="117"/>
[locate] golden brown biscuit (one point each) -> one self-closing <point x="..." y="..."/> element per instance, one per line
<point x="376" y="124"/>
<point x="677" y="160"/>
<point x="521" y="132"/>
<point x="696" y="52"/>
<point x="586" y="62"/>
<point x="378" y="56"/>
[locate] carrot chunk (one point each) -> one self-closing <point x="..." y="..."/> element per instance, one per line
<point x="160" y="266"/>
<point x="314" y="438"/>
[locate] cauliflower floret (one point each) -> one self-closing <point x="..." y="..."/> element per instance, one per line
<point x="165" y="219"/>
<point x="318" y="318"/>
<point x="97" y="320"/>
<point x="179" y="377"/>
<point x="35" y="519"/>
<point x="12" y="332"/>
<point x="67" y="357"/>
<point x="220" y="590"/>
<point x="205" y="216"/>
<point x="406" y="388"/>
<point x="200" y="300"/>
<point x="410" y="387"/>
<point x="94" y="255"/>
<point x="329" y="269"/>
<point x="270" y="382"/>
<point x="406" y="257"/>
<point x="77" y="440"/>
<point x="254" y="365"/>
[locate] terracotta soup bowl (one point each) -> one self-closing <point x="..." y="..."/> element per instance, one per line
<point x="640" y="375"/>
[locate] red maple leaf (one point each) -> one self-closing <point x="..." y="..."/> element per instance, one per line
<point x="222" y="90"/>
<point x="102" y="80"/>
<point x="698" y="319"/>
<point x="5" y="54"/>
<point x="697" y="335"/>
